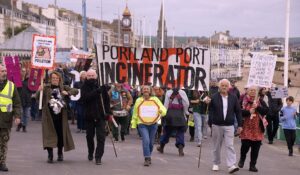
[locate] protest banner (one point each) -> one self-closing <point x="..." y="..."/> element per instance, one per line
<point x="279" y="92"/>
<point x="43" y="51"/>
<point x="186" y="68"/>
<point x="262" y="70"/>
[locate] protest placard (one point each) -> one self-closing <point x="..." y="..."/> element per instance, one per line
<point x="148" y="111"/>
<point x="262" y="70"/>
<point x="186" y="68"/>
<point x="279" y="92"/>
<point x="43" y="51"/>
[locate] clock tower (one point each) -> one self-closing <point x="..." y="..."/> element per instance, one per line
<point x="126" y="24"/>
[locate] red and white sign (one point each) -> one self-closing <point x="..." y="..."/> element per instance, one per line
<point x="43" y="51"/>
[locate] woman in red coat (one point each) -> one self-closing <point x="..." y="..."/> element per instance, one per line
<point x="253" y="112"/>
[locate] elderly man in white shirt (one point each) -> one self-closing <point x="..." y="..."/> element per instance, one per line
<point x="223" y="109"/>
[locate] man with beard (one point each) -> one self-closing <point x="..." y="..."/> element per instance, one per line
<point x="96" y="112"/>
<point x="10" y="107"/>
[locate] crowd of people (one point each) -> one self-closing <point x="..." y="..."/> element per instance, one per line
<point x="222" y="110"/>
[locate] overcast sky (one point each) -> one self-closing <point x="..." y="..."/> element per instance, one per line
<point x="244" y="18"/>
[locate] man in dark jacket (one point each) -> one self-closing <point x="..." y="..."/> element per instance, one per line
<point x="10" y="107"/>
<point x="223" y="108"/>
<point x="25" y="95"/>
<point x="96" y="112"/>
<point x="275" y="105"/>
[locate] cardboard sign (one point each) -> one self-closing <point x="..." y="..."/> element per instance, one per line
<point x="43" y="51"/>
<point x="262" y="70"/>
<point x="34" y="80"/>
<point x="13" y="70"/>
<point x="279" y="92"/>
<point x="148" y="112"/>
<point x="186" y="68"/>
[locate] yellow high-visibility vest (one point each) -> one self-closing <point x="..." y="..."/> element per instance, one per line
<point x="6" y="97"/>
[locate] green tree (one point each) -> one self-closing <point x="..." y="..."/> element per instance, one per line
<point x="18" y="29"/>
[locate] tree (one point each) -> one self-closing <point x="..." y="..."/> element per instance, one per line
<point x="18" y="29"/>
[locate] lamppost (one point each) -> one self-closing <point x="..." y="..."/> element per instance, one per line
<point x="12" y="18"/>
<point x="119" y="27"/>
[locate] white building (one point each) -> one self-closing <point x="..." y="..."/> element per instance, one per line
<point x="40" y="22"/>
<point x="221" y="38"/>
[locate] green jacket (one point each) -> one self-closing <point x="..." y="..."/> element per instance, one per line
<point x="6" y="118"/>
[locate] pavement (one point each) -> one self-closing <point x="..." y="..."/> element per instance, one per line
<point x="27" y="157"/>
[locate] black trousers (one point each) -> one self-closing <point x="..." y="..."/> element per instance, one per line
<point x="272" y="127"/>
<point x="246" y="145"/>
<point x="57" y="121"/>
<point x="98" y="128"/>
<point x="192" y="131"/>
<point x="290" y="137"/>
<point x="122" y="122"/>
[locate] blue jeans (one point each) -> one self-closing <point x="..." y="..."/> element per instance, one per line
<point x="198" y="127"/>
<point x="168" y="131"/>
<point x="148" y="135"/>
<point x="34" y="111"/>
<point x="25" y="115"/>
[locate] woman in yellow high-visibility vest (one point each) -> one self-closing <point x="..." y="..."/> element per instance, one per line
<point x="147" y="129"/>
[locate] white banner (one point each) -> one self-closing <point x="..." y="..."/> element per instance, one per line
<point x="225" y="63"/>
<point x="43" y="51"/>
<point x="186" y="68"/>
<point x="262" y="70"/>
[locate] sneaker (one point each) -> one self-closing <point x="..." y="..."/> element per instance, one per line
<point x="271" y="142"/>
<point x="215" y="168"/>
<point x="199" y="145"/>
<point x="232" y="169"/>
<point x="205" y="137"/>
<point x="290" y="154"/>
<point x="147" y="161"/>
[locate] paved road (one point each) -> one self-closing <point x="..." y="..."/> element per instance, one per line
<point x="26" y="157"/>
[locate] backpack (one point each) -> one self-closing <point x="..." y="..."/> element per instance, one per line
<point x="175" y="114"/>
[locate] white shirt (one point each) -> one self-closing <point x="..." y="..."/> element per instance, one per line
<point x="225" y="105"/>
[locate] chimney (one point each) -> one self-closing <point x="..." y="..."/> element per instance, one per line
<point x="227" y="32"/>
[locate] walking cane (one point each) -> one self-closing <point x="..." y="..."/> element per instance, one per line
<point x="107" y="125"/>
<point x="111" y="138"/>
<point x="199" y="156"/>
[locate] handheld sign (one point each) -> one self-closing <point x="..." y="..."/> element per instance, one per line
<point x="43" y="55"/>
<point x="262" y="70"/>
<point x="148" y="112"/>
<point x="279" y="92"/>
<point x="13" y="70"/>
<point x="34" y="80"/>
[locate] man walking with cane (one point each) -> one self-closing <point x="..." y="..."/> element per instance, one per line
<point x="96" y="112"/>
<point x="222" y="110"/>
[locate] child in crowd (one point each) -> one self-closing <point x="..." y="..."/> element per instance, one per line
<point x="288" y="120"/>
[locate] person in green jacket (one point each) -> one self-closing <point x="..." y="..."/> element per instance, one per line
<point x="145" y="122"/>
<point x="10" y="107"/>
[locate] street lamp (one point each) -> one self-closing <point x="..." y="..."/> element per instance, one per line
<point x="119" y="27"/>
